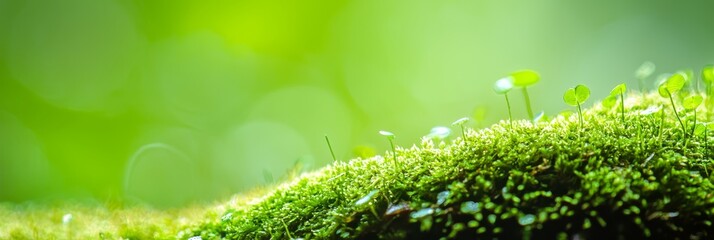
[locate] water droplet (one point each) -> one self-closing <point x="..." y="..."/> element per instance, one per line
<point x="397" y="209"/>
<point x="470" y="207"/>
<point x="422" y="213"/>
<point x="366" y="198"/>
<point x="528" y="219"/>
<point x="442" y="196"/>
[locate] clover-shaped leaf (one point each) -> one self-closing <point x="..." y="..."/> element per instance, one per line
<point x="692" y="101"/>
<point x="576" y="96"/>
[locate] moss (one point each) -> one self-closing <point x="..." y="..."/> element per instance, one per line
<point x="629" y="180"/>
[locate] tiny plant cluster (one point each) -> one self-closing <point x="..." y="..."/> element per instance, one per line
<point x="610" y="181"/>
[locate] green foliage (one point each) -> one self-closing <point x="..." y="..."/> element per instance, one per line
<point x="671" y="86"/>
<point x="523" y="79"/>
<point x="460" y="122"/>
<point x="527" y="182"/>
<point x="575" y="97"/>
<point x="329" y="145"/>
<point x="691" y="102"/>
<point x="503" y="86"/>
<point x="619" y="90"/>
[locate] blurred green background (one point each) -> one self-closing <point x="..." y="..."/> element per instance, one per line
<point x="170" y="102"/>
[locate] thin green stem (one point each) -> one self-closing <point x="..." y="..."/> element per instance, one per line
<point x="528" y="104"/>
<point x="580" y="114"/>
<point x="510" y="115"/>
<point x="394" y="153"/>
<point x="622" y="106"/>
<point x="674" y="108"/>
<point x="463" y="132"/>
<point x="330" y="146"/>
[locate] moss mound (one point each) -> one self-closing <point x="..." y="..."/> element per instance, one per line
<point x="643" y="178"/>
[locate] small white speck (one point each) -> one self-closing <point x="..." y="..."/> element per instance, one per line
<point x="67" y="218"/>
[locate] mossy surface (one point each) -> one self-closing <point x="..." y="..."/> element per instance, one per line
<point x="552" y="180"/>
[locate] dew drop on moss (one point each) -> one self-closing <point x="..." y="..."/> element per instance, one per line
<point x="469" y="207"/>
<point x="366" y="198"/>
<point x="422" y="213"/>
<point x="528" y="219"/>
<point x="441" y="197"/>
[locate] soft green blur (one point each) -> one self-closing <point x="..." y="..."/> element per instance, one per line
<point x="170" y="102"/>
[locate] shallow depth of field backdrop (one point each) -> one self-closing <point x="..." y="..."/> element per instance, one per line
<point x="171" y="102"/>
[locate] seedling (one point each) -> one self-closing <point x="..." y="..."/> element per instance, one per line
<point x="460" y="122"/>
<point x="576" y="97"/>
<point x="670" y="86"/>
<point x="330" y="147"/>
<point x="503" y="86"/>
<point x="708" y="79"/>
<point x="523" y="79"/>
<point x="691" y="103"/>
<point x="390" y="137"/>
<point x="643" y="72"/>
<point x="620" y="90"/>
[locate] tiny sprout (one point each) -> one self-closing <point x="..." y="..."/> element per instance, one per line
<point x="460" y="122"/>
<point x="503" y="86"/>
<point x="523" y="79"/>
<point x="708" y="79"/>
<point x="330" y="147"/>
<point x="691" y="103"/>
<point x="439" y="133"/>
<point x="620" y="90"/>
<point x="609" y="101"/>
<point x="670" y="86"/>
<point x="708" y="74"/>
<point x="576" y="97"/>
<point x="390" y="137"/>
<point x="643" y="72"/>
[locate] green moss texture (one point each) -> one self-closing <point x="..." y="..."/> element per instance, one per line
<point x="641" y="178"/>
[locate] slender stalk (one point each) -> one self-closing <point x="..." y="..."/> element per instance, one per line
<point x="463" y="132"/>
<point x="674" y="108"/>
<point x="510" y="115"/>
<point x="528" y="104"/>
<point x="580" y="114"/>
<point x="622" y="106"/>
<point x="394" y="154"/>
<point x="330" y="146"/>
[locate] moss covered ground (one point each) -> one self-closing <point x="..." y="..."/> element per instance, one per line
<point x="641" y="178"/>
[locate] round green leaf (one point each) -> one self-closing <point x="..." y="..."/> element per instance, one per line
<point x="645" y="70"/>
<point x="609" y="101"/>
<point x="662" y="90"/>
<point x="619" y="89"/>
<point x="708" y="74"/>
<point x="577" y="95"/>
<point x="582" y="93"/>
<point x="524" y="78"/>
<point x="503" y="85"/>
<point x="676" y="82"/>
<point x="692" y="101"/>
<point x="710" y="126"/>
<point x="569" y="97"/>
<point x="699" y="129"/>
